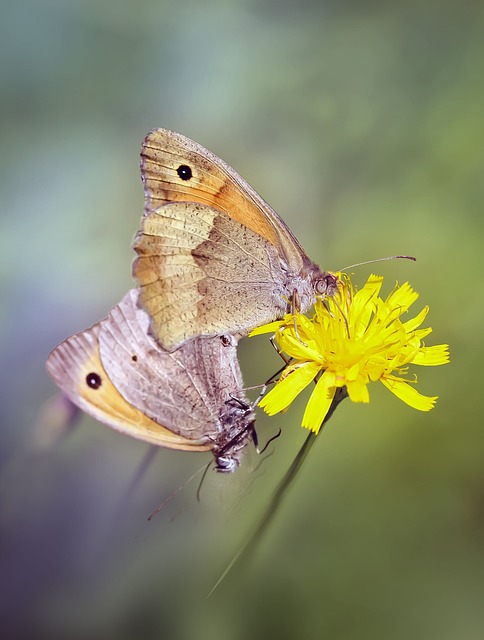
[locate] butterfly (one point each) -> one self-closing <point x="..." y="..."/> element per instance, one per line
<point x="191" y="399"/>
<point x="212" y="257"/>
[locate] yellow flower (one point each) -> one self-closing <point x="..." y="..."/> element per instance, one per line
<point x="353" y="338"/>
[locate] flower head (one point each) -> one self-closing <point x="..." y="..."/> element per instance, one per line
<point x="354" y="338"/>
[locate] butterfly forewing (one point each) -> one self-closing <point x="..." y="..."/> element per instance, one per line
<point x="187" y="268"/>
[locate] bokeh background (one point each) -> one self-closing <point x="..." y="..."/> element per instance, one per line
<point x="362" y="124"/>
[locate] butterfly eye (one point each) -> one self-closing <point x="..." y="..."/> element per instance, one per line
<point x="93" y="380"/>
<point x="184" y="172"/>
<point x="327" y="285"/>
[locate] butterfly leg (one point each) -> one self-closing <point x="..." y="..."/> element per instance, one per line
<point x="295" y="308"/>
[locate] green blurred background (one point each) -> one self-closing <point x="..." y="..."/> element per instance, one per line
<point x="362" y="124"/>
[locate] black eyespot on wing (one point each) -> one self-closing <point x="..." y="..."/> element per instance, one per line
<point x="184" y="172"/>
<point x="134" y="358"/>
<point x="93" y="380"/>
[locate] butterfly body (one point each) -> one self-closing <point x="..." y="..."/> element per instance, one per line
<point x="213" y="257"/>
<point x="191" y="399"/>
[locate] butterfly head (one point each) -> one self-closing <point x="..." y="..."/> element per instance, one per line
<point x="227" y="463"/>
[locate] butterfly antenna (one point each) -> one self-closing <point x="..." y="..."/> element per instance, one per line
<point x="177" y="491"/>
<point x="202" y="480"/>
<point x="359" y="264"/>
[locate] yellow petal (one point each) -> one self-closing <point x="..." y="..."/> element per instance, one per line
<point x="297" y="349"/>
<point x="358" y="391"/>
<point x="411" y="325"/>
<point x="272" y="327"/>
<point x="409" y="394"/>
<point x="361" y="310"/>
<point x="319" y="404"/>
<point x="402" y="298"/>
<point x="281" y="396"/>
<point x="420" y="334"/>
<point x="432" y="356"/>
<point x="374" y="283"/>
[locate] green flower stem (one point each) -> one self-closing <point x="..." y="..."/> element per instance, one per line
<point x="289" y="476"/>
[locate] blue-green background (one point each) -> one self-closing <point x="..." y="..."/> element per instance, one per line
<point x="362" y="124"/>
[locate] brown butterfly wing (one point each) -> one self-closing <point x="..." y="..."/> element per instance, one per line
<point x="177" y="169"/>
<point x="119" y="375"/>
<point x="203" y="273"/>
<point x="76" y="367"/>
